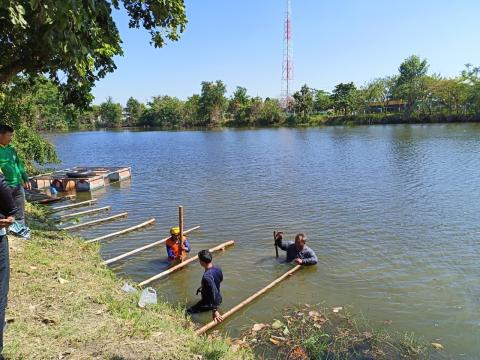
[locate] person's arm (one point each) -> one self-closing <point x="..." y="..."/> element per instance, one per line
<point x="170" y="253"/>
<point x="23" y="172"/>
<point x="6" y="199"/>
<point x="310" y="258"/>
<point x="186" y="245"/>
<point x="282" y="244"/>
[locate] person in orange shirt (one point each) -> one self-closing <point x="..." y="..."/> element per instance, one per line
<point x="173" y="244"/>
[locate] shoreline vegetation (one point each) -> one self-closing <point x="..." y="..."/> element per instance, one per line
<point x="64" y="304"/>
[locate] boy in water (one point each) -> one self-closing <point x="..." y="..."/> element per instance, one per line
<point x="210" y="289"/>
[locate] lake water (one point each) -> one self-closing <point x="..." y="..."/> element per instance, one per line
<point x="392" y="212"/>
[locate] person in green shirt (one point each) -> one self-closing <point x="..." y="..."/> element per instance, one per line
<point x="13" y="169"/>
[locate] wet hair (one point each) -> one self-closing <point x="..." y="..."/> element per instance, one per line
<point x="205" y="256"/>
<point x="301" y="236"/>
<point x="4" y="129"/>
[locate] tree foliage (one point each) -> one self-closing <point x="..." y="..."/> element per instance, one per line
<point x="74" y="42"/>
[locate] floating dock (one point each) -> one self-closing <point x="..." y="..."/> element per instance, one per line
<point x="81" y="178"/>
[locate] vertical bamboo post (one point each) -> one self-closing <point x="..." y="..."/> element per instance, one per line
<point x="180" y="225"/>
<point x="275" y="243"/>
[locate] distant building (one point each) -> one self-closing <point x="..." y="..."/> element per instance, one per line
<point x="387" y="106"/>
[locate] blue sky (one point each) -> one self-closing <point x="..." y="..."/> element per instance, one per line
<point x="241" y="42"/>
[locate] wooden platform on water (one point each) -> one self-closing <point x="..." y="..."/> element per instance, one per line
<point x="81" y="178"/>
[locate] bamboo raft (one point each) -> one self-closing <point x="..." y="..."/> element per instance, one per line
<point x="81" y="178"/>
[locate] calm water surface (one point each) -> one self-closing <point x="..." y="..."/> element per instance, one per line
<point x="392" y="211"/>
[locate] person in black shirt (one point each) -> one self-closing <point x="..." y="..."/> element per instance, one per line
<point x="210" y="289"/>
<point x="7" y="212"/>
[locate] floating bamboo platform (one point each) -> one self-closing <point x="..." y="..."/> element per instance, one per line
<point x="95" y="222"/>
<point x="185" y="263"/>
<point x="247" y="301"/>
<point x="124" y="231"/>
<point x="81" y="178"/>
<point x="130" y="253"/>
<point x="82" y="213"/>
<point x="71" y="206"/>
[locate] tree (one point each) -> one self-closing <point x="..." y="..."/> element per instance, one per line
<point x="343" y="96"/>
<point x="411" y="80"/>
<point x="238" y="106"/>
<point x="133" y="110"/>
<point x="191" y="111"/>
<point x="163" y="111"/>
<point x="322" y="101"/>
<point x="271" y="113"/>
<point x="111" y="113"/>
<point x="77" y="40"/>
<point x="303" y="104"/>
<point x="212" y="103"/>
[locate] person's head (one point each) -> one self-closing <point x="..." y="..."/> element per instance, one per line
<point x="300" y="241"/>
<point x="6" y="134"/>
<point x="205" y="258"/>
<point x="175" y="233"/>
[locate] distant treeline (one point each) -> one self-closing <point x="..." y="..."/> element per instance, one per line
<point x="412" y="95"/>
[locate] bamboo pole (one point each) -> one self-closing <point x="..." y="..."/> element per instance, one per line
<point x="71" y="206"/>
<point x="127" y="254"/>
<point x="247" y="301"/>
<point x="86" y="212"/>
<point x="184" y="263"/>
<point x="180" y="225"/>
<point x="275" y="243"/>
<point x="124" y="231"/>
<point x="93" y="222"/>
<point x="55" y="199"/>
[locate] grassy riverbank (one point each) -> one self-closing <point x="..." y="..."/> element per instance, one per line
<point x="64" y="304"/>
<point x="384" y="119"/>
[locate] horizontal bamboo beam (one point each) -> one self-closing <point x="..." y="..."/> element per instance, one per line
<point x="55" y="199"/>
<point x="184" y="263"/>
<point x="130" y="253"/>
<point x="124" y="231"/>
<point x="247" y="301"/>
<point x="71" y="206"/>
<point x="81" y="213"/>
<point x="94" y="222"/>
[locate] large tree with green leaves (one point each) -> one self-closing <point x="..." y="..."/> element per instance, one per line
<point x="74" y="42"/>
<point x="212" y="102"/>
<point x="111" y="113"/>
<point x="303" y="101"/>
<point x="344" y="97"/>
<point x="411" y="80"/>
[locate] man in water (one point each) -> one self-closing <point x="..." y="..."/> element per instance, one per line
<point x="173" y="245"/>
<point x="7" y="213"/>
<point x="210" y="289"/>
<point x="297" y="251"/>
<point x="13" y="169"/>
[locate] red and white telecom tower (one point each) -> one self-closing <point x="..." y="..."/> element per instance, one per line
<point x="287" y="65"/>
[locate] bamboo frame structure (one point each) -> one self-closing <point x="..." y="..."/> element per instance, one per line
<point x="247" y="301"/>
<point x="71" y="206"/>
<point x="86" y="212"/>
<point x="184" y="263"/>
<point x="124" y="231"/>
<point x="130" y="253"/>
<point x="94" y="222"/>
